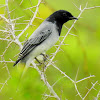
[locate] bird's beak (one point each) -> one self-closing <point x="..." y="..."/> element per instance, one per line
<point x="71" y="18"/>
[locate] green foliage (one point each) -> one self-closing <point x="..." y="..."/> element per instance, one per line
<point x="82" y="52"/>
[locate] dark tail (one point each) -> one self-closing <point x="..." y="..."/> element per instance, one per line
<point x="16" y="62"/>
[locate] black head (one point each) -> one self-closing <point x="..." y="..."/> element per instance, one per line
<point x="61" y="16"/>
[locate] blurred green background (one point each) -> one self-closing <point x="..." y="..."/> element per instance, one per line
<point x="82" y="52"/>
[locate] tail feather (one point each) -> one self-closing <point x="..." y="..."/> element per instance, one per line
<point x="16" y="62"/>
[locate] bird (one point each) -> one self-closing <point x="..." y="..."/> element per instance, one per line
<point x="44" y="37"/>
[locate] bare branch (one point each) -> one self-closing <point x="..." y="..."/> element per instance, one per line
<point x="3" y="84"/>
<point x="30" y="22"/>
<point x="89" y="90"/>
<point x="21" y="2"/>
<point x="46" y="82"/>
<point x="92" y="7"/>
<point x="31" y="7"/>
<point x="78" y="93"/>
<point x="5" y="19"/>
<point x="98" y="95"/>
<point x="85" y="78"/>
<point x="17" y="18"/>
<point x="6" y="61"/>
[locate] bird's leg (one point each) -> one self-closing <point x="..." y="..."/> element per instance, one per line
<point x="38" y="61"/>
<point x="45" y="56"/>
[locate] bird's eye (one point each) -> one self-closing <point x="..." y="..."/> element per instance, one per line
<point x="64" y="14"/>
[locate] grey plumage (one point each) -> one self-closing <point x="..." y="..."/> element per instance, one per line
<point x="44" y="37"/>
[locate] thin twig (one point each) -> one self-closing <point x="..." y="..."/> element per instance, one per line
<point x="30" y="22"/>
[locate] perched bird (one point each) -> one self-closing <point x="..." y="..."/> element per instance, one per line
<point x="44" y="37"/>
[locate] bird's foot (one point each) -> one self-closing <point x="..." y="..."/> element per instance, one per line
<point x="40" y="63"/>
<point x="45" y="57"/>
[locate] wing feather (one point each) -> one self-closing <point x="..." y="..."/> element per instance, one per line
<point x="30" y="44"/>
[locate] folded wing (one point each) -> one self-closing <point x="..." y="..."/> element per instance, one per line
<point x="32" y="43"/>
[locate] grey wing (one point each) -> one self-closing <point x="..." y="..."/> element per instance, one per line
<point x="32" y="43"/>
